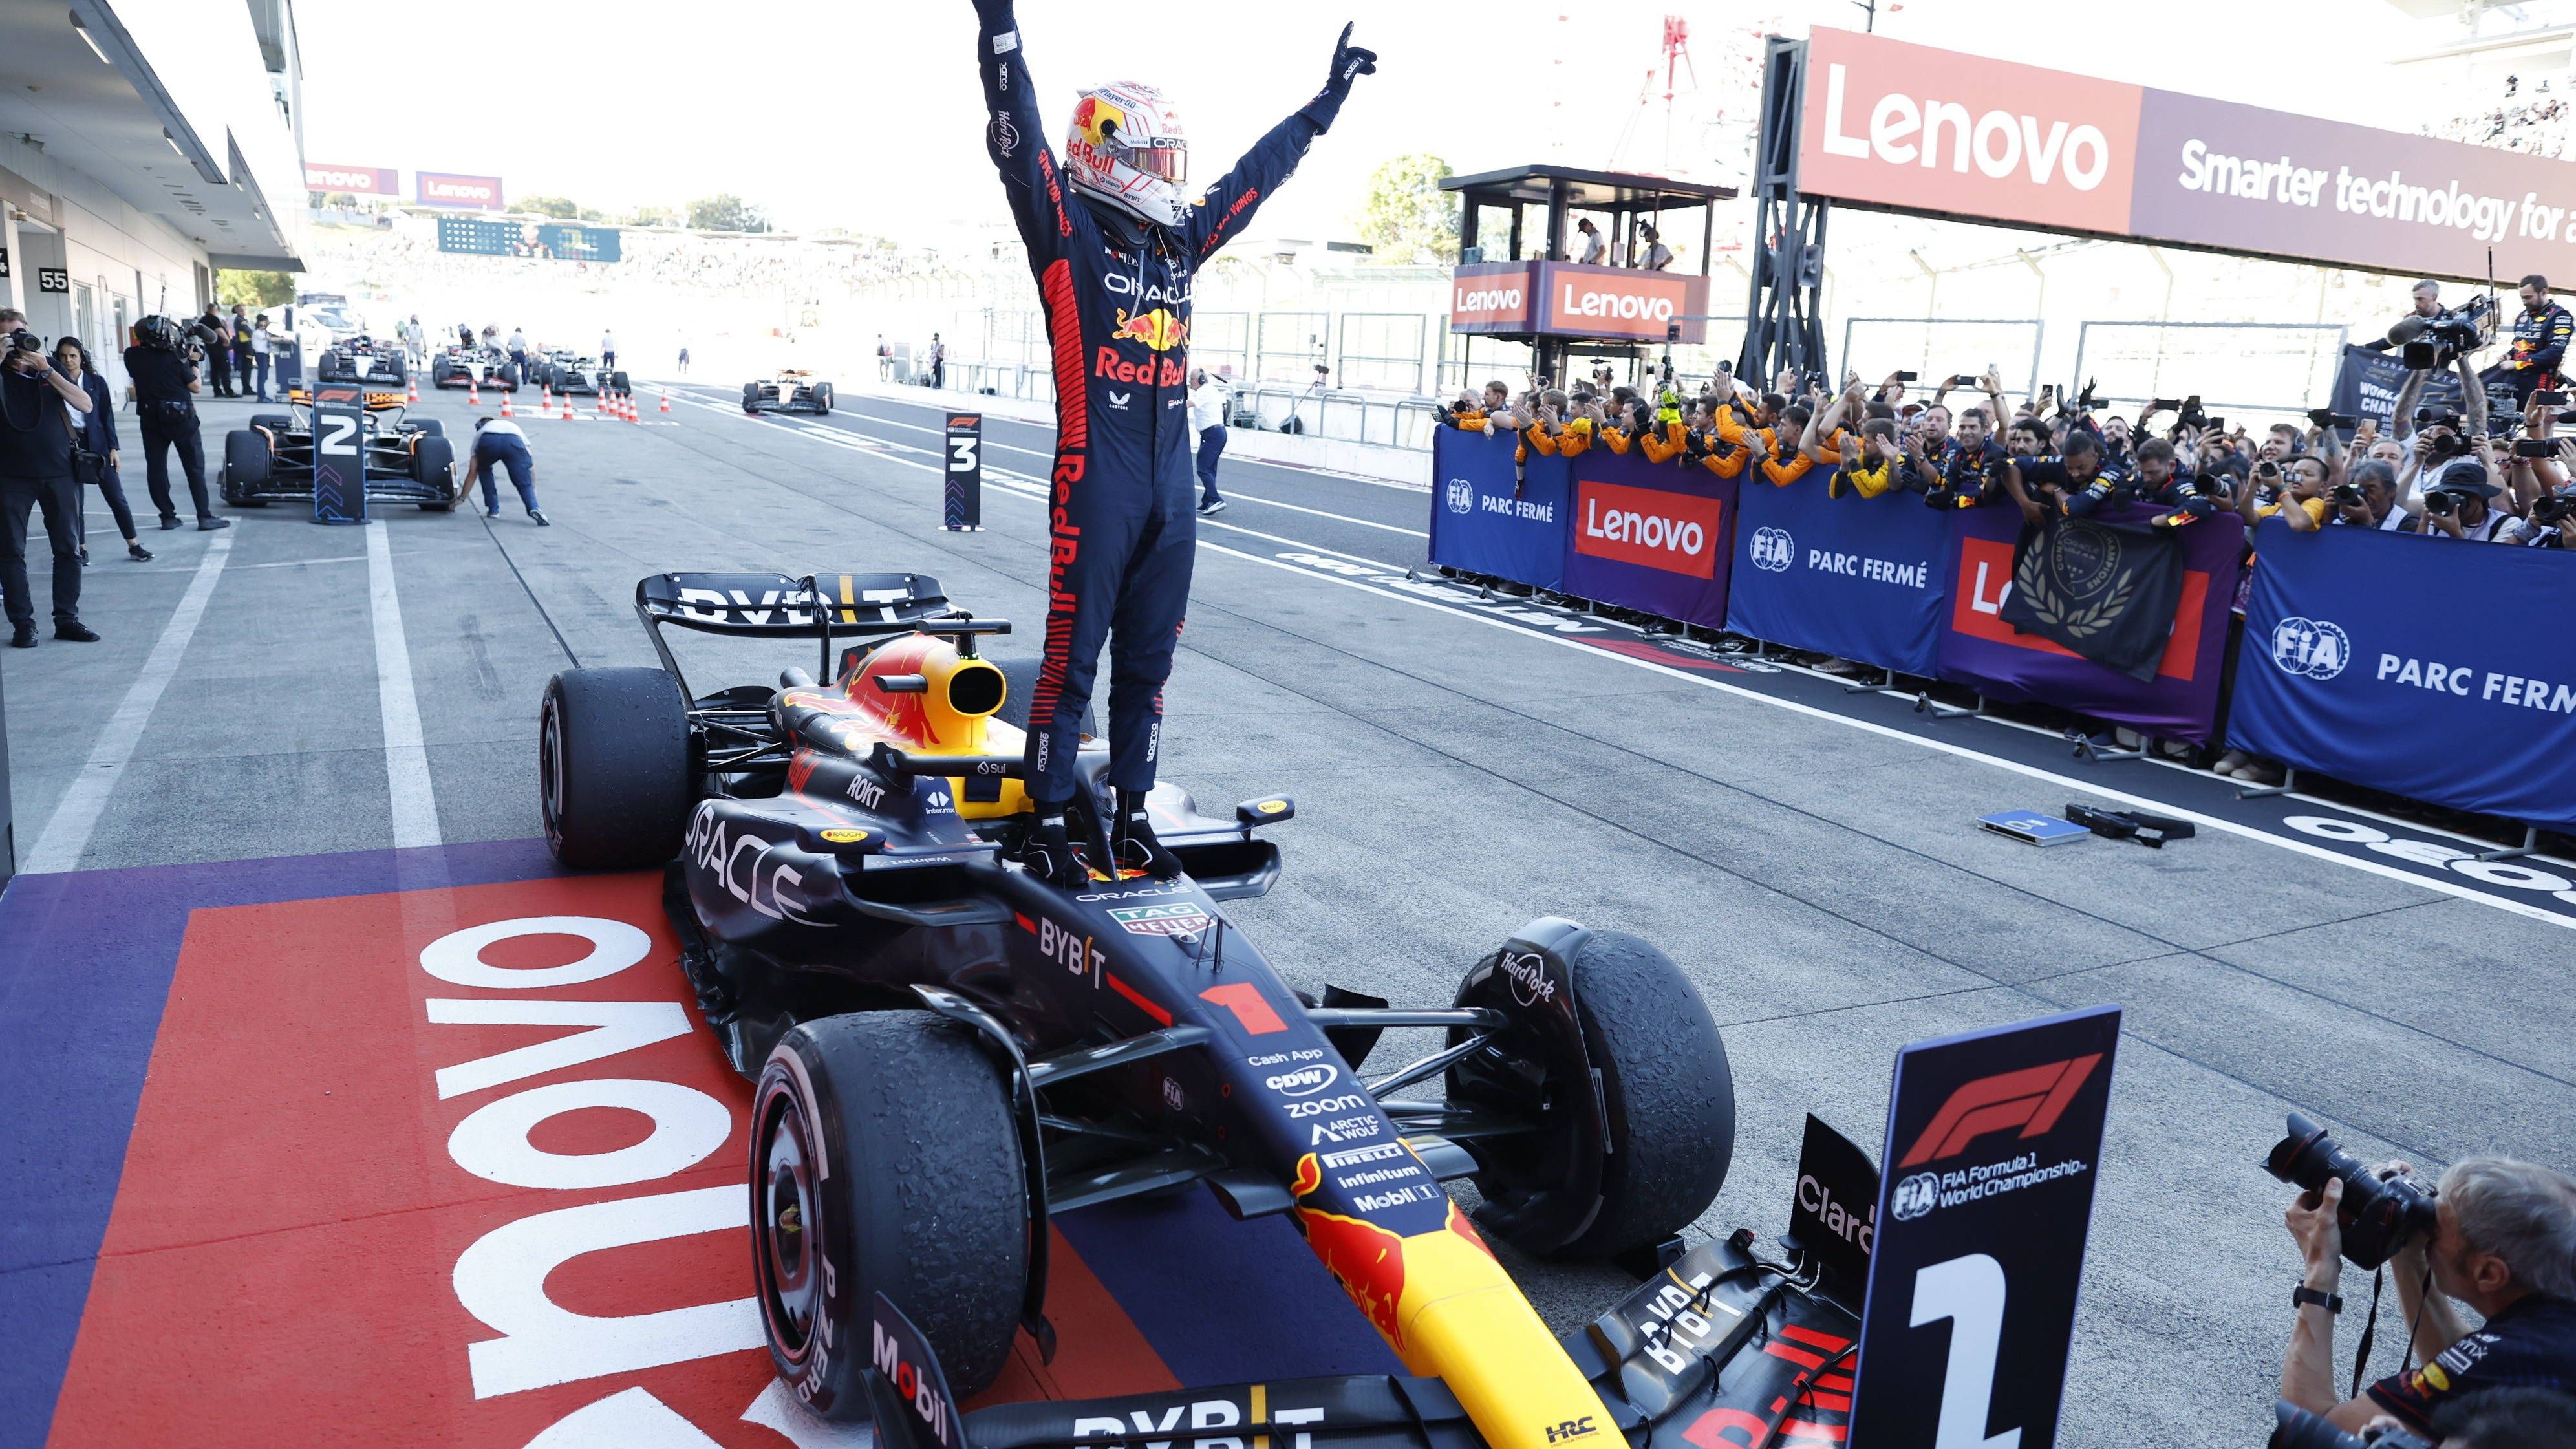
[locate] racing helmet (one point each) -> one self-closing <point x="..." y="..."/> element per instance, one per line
<point x="1126" y="148"/>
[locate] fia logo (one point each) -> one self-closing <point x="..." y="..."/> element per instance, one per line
<point x="2310" y="647"/>
<point x="1462" y="496"/>
<point x="1772" y="550"/>
<point x="1914" y="1197"/>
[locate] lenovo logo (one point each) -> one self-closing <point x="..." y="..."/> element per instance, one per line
<point x="1615" y="302"/>
<point x="1674" y="532"/>
<point x="2031" y="1099"/>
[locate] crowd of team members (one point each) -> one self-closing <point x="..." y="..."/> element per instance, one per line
<point x="2437" y="474"/>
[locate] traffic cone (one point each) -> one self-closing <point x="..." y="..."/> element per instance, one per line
<point x="567" y="407"/>
<point x="631" y="415"/>
<point x="666" y="401"/>
<point x="473" y="393"/>
<point x="545" y="399"/>
<point x="411" y="391"/>
<point x="505" y="405"/>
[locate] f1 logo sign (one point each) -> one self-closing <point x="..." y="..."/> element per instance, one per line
<point x="2031" y="1099"/>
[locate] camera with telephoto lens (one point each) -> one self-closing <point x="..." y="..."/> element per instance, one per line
<point x="2299" y="1429"/>
<point x="2534" y="448"/>
<point x="22" y="340"/>
<point x="2553" y="509"/>
<point x="2441" y="504"/>
<point x="2329" y="418"/>
<point x="2347" y="494"/>
<point x="2441" y="339"/>
<point x="2380" y="1214"/>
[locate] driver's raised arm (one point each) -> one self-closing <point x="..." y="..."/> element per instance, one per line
<point x="1015" y="139"/>
<point x="1229" y="205"/>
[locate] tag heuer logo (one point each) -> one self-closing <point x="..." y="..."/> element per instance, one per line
<point x="1180" y="918"/>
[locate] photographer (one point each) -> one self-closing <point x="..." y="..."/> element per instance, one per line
<point x="2460" y="504"/>
<point x="37" y="405"/>
<point x="2503" y="1243"/>
<point x="164" y="414"/>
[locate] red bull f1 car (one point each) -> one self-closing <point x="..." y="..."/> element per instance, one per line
<point x="408" y="460"/>
<point x="949" y="1048"/>
<point x="789" y="391"/>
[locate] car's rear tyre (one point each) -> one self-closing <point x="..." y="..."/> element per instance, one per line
<point x="1666" y="1092"/>
<point x="1021" y="675"/>
<point x="431" y="426"/>
<point x="613" y="780"/>
<point x="618" y="381"/>
<point x="823" y="397"/>
<point x="924" y="1201"/>
<point x="433" y="463"/>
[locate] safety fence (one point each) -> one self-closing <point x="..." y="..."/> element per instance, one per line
<point x="2274" y="368"/>
<point x="1935" y="349"/>
<point x="2355" y="661"/>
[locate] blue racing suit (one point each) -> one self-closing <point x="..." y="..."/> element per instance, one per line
<point x="1122" y="520"/>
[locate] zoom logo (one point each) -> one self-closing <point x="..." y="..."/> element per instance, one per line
<point x="1462" y="496"/>
<point x="1772" y="550"/>
<point x="2311" y="648"/>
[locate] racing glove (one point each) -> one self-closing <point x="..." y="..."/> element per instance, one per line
<point x="1349" y="61"/>
<point x="1136" y="848"/>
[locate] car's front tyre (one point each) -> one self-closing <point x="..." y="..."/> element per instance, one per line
<point x="884" y="1159"/>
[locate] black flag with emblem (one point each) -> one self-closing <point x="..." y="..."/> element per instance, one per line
<point x="2107" y="591"/>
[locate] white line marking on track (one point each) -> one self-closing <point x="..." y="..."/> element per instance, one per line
<point x="415" y="804"/>
<point x="2082" y="787"/>
<point x="67" y="834"/>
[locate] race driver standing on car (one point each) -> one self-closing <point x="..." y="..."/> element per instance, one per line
<point x="1114" y="248"/>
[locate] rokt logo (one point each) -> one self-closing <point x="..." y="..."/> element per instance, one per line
<point x="1914" y="1197"/>
<point x="1772" y="550"/>
<point x="2311" y="648"/>
<point x="2031" y="1099"/>
<point x="1462" y="496"/>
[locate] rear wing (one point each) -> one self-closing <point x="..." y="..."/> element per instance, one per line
<point x="774" y="606"/>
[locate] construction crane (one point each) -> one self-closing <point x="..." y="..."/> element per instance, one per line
<point x="1676" y="62"/>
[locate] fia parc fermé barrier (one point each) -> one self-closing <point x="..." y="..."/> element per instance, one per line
<point x="2407" y="665"/>
<point x="2367" y="656"/>
<point x="1886" y="582"/>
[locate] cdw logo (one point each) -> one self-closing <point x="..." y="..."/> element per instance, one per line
<point x="2031" y="1099"/>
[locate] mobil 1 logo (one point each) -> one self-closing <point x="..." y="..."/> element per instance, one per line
<point x="339" y="463"/>
<point x="1993" y="1142"/>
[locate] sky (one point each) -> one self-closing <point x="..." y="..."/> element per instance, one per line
<point x="867" y="115"/>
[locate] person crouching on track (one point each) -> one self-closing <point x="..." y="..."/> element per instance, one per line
<point x="497" y="440"/>
<point x="1114" y="242"/>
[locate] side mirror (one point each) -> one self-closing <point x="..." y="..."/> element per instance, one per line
<point x="1265" y="812"/>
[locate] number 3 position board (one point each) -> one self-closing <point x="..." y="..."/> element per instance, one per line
<point x="1994" y="1139"/>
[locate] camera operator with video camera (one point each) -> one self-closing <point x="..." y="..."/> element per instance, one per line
<point x="2540" y="335"/>
<point x="37" y="406"/>
<point x="166" y="416"/>
<point x="2494" y="1234"/>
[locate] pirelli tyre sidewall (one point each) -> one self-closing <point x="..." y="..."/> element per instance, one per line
<point x="884" y="1159"/>
<point x="1668" y="1092"/>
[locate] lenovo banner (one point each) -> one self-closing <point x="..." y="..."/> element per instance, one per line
<point x="1568" y="299"/>
<point x="1651" y="536"/>
<point x="1865" y="578"/>
<point x="1493" y="297"/>
<point x="2346" y="669"/>
<point x="1994" y="1142"/>
<point x="354" y="180"/>
<point x="1981" y="649"/>
<point x="1910" y="128"/>
<point x="436" y="188"/>
<point x="1486" y="519"/>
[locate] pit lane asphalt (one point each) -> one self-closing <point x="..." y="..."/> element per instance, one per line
<point x="1825" y="886"/>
